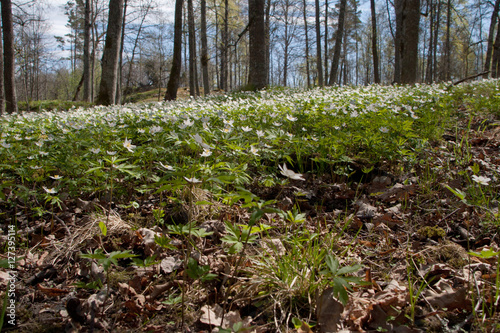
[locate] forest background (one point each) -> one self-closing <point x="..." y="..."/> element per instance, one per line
<point x="309" y="43"/>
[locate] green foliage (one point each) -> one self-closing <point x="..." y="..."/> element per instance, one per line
<point x="340" y="281"/>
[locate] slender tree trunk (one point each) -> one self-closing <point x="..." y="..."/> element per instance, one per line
<point x="9" y="57"/>
<point x="491" y="34"/>
<point x="495" y="61"/>
<point x="224" y="48"/>
<point x="447" y="75"/>
<point x="376" y="72"/>
<point x="175" y="72"/>
<point x="118" y="98"/>
<point x="193" y="71"/>
<point x="257" y="76"/>
<point x="204" y="48"/>
<point x="87" y="78"/>
<point x="436" y="39"/>
<point x="268" y="37"/>
<point x="306" y="31"/>
<point x="325" y="47"/>
<point x="2" y="87"/>
<point x="111" y="54"/>
<point x="319" y="62"/>
<point x="338" y="43"/>
<point x="428" y="71"/>
<point x="134" y="48"/>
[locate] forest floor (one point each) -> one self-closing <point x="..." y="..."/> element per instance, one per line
<point x="417" y="252"/>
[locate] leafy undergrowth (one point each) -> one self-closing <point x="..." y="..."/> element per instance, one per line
<point x="353" y="209"/>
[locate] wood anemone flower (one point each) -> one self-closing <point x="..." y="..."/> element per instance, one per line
<point x="289" y="173"/>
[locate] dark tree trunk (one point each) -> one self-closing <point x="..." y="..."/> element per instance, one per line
<point x="9" y="57"/>
<point x="376" y="72"/>
<point x="406" y="41"/>
<point x="204" y="48"/>
<point x="224" y="72"/>
<point x="87" y="77"/>
<point x="257" y="76"/>
<point x="193" y="70"/>
<point x="175" y="72"/>
<point x="319" y="63"/>
<point x="111" y="54"/>
<point x="308" y="74"/>
<point x="2" y="87"/>
<point x="447" y="67"/>
<point x="491" y="34"/>
<point x="118" y="98"/>
<point x="338" y="44"/>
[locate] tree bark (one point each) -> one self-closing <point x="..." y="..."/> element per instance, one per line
<point x="491" y="35"/>
<point x="338" y="44"/>
<point x="2" y="87"/>
<point x="111" y="55"/>
<point x="87" y="78"/>
<point x="204" y="48"/>
<point x="319" y="63"/>
<point x="376" y="72"/>
<point x="175" y="71"/>
<point x="308" y="74"/>
<point x="118" y="97"/>
<point x="193" y="70"/>
<point x="495" y="61"/>
<point x="9" y="58"/>
<point x="257" y="76"/>
<point x="406" y="41"/>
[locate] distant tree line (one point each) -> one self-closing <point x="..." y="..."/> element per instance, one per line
<point x="116" y="47"/>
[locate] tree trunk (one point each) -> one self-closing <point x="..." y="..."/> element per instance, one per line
<point x="118" y="98"/>
<point x="193" y="71"/>
<point x="447" y="60"/>
<point x="491" y="34"/>
<point x="9" y="57"/>
<point x="87" y="78"/>
<point x="224" y="72"/>
<point x="111" y="54"/>
<point x="406" y="41"/>
<point x="325" y="47"/>
<point x="376" y="72"/>
<point x="2" y="87"/>
<point x="204" y="48"/>
<point x="257" y="76"/>
<point x="319" y="63"/>
<point x="308" y="74"/>
<point x="175" y="71"/>
<point x="495" y="61"/>
<point x="338" y="44"/>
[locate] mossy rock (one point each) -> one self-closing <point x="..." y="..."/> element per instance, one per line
<point x="434" y="232"/>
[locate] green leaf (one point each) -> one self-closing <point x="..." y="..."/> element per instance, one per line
<point x="104" y="229"/>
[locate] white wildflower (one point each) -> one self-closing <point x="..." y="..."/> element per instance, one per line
<point x="192" y="180"/>
<point x="128" y="145"/>
<point x="206" y="153"/>
<point x="95" y="150"/>
<point x="50" y="190"/>
<point x="289" y="173"/>
<point x="481" y="180"/>
<point x="168" y="167"/>
<point x="290" y="117"/>
<point x="254" y="150"/>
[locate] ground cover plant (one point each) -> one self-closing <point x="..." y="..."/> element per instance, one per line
<point x="370" y="208"/>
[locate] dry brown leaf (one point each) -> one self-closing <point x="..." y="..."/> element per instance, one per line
<point x="445" y="297"/>
<point x="328" y="312"/>
<point x="212" y="315"/>
<point x="52" y="292"/>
